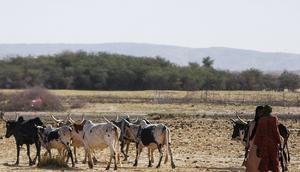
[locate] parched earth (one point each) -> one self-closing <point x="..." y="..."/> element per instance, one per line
<point x="198" y="144"/>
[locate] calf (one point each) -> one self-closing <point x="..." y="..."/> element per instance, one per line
<point x="24" y="132"/>
<point x="56" y="138"/>
<point x="152" y="136"/>
<point x="98" y="136"/>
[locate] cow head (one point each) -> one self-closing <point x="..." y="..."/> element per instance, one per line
<point x="10" y="124"/>
<point x="240" y="129"/>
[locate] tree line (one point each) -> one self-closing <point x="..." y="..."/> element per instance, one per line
<point x="103" y="71"/>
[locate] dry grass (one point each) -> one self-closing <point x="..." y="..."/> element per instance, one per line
<point x="53" y="162"/>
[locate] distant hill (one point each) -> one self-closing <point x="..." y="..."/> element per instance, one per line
<point x="225" y="58"/>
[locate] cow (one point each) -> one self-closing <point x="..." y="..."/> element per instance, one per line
<point x="240" y="131"/>
<point x="122" y="124"/>
<point x="76" y="140"/>
<point x="57" y="138"/>
<point x="152" y="136"/>
<point x="98" y="136"/>
<point x="24" y="132"/>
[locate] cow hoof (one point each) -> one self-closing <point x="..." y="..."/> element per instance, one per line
<point x="76" y="161"/>
<point x="115" y="168"/>
<point x="157" y="166"/>
<point x="90" y="164"/>
<point x="83" y="162"/>
<point x="107" y="168"/>
<point x="149" y="165"/>
<point x="173" y="166"/>
<point x="135" y="164"/>
<point x="95" y="160"/>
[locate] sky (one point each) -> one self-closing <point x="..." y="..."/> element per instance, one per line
<point x="264" y="25"/>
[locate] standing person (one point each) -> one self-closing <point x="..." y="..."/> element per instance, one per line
<point x="268" y="141"/>
<point x="252" y="159"/>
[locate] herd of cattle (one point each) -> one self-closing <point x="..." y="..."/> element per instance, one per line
<point x="113" y="134"/>
<point x="67" y="133"/>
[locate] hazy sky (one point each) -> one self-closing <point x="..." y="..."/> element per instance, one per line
<point x="266" y="25"/>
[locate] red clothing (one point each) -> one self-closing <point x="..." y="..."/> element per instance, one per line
<point x="267" y="140"/>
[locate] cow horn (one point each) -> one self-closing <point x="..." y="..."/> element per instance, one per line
<point x="57" y="120"/>
<point x="232" y="120"/>
<point x="136" y="120"/>
<point x="240" y="119"/>
<point x="117" y="118"/>
<point x="17" y="116"/>
<point x="108" y="121"/>
<point x="71" y="120"/>
<point x="2" y="116"/>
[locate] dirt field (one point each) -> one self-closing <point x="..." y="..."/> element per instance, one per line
<point x="198" y="143"/>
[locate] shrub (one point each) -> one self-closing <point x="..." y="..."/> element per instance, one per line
<point x="22" y="101"/>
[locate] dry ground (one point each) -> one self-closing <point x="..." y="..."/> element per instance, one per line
<point x="198" y="143"/>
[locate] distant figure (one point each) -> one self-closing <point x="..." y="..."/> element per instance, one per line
<point x="37" y="102"/>
<point x="253" y="160"/>
<point x="268" y="141"/>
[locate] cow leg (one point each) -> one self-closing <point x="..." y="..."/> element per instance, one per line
<point x="127" y="149"/>
<point x="70" y="155"/>
<point x="90" y="162"/>
<point x="85" y="157"/>
<point x="18" y="154"/>
<point x="160" y="155"/>
<point x="151" y="151"/>
<point x="122" y="150"/>
<point x="28" y="154"/>
<point x="95" y="160"/>
<point x="139" y="149"/>
<point x="149" y="157"/>
<point x="75" y="156"/>
<point x="112" y="156"/>
<point x="288" y="152"/>
<point x="38" y="152"/>
<point x="171" y="156"/>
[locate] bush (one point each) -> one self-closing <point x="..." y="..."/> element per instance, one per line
<point x="22" y="101"/>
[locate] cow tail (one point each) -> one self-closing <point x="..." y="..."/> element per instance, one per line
<point x="116" y="144"/>
<point x="168" y="141"/>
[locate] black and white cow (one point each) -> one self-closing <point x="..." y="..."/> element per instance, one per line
<point x="57" y="138"/>
<point x="152" y="136"/>
<point x="24" y="132"/>
<point x="124" y="139"/>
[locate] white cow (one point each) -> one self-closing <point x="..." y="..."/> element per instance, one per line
<point x="98" y="136"/>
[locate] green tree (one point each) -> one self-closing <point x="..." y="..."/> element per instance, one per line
<point x="289" y="81"/>
<point x="207" y="62"/>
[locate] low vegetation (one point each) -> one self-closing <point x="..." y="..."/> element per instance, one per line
<point x="23" y="101"/>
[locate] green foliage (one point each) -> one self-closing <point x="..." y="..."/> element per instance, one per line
<point x="289" y="81"/>
<point x="102" y="71"/>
